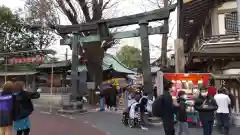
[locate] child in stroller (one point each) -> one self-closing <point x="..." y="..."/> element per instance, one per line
<point x="131" y="115"/>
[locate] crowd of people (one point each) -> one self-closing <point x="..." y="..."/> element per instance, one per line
<point x="15" y="108"/>
<point x="209" y="105"/>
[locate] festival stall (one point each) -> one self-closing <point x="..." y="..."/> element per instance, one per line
<point x="120" y="84"/>
<point x="190" y="82"/>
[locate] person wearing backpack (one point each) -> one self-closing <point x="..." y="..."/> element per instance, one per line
<point x="143" y="107"/>
<point x="164" y="108"/>
<point x="206" y="106"/>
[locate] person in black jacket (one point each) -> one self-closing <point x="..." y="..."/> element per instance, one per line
<point x="206" y="106"/>
<point x="24" y="108"/>
<point x="232" y="105"/>
<point x="143" y="105"/>
<point x="169" y="109"/>
<point x="182" y="113"/>
<point x="232" y="98"/>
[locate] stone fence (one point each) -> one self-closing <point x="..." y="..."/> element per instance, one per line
<point x="52" y="100"/>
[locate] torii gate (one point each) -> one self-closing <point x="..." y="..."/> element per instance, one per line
<point x="102" y="27"/>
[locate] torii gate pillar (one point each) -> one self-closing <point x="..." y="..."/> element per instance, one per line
<point x="147" y="78"/>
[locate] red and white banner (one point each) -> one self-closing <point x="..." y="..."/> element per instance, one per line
<point x="38" y="59"/>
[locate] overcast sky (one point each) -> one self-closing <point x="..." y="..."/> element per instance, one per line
<point x="125" y="7"/>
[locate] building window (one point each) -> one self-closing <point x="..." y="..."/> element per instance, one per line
<point x="231" y="23"/>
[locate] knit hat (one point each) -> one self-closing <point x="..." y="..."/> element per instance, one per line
<point x="212" y="91"/>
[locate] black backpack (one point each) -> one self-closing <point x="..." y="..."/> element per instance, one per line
<point x="157" y="107"/>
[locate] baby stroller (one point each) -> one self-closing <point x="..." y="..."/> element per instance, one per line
<point x="131" y="116"/>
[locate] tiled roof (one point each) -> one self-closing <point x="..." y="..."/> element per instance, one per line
<point x="109" y="62"/>
<point x="55" y="65"/>
<point x="18" y="73"/>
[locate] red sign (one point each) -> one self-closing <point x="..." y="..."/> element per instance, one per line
<point x="38" y="59"/>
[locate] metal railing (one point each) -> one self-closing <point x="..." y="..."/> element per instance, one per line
<point x="217" y="40"/>
<point x="56" y="90"/>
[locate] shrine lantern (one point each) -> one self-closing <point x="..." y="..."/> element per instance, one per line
<point x="83" y="60"/>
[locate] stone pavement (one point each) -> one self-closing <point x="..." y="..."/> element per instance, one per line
<point x="110" y="123"/>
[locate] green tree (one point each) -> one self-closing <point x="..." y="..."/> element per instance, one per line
<point x="130" y="56"/>
<point x="16" y="36"/>
<point x="10" y="33"/>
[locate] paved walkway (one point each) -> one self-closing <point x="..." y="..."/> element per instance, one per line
<point x="102" y="122"/>
<point x="53" y="124"/>
<point x="111" y="124"/>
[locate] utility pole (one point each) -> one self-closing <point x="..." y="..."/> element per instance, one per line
<point x="164" y="40"/>
<point x="238" y="16"/>
<point x="42" y="3"/>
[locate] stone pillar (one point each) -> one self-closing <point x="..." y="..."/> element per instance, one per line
<point x="214" y="22"/>
<point x="179" y="56"/>
<point x="74" y="68"/>
<point x="238" y="15"/>
<point x="217" y="83"/>
<point x="147" y="77"/>
<point x="75" y="105"/>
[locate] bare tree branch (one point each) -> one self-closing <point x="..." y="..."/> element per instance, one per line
<point x="106" y="4"/>
<point x="72" y="8"/>
<point x="96" y="9"/>
<point x="85" y="10"/>
<point x="67" y="12"/>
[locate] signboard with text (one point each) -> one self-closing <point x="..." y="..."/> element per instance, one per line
<point x="20" y="60"/>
